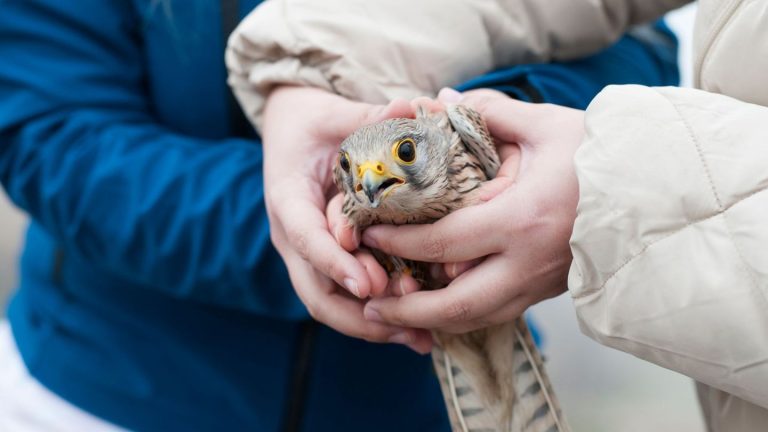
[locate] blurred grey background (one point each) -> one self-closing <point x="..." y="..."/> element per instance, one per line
<point x="601" y="390"/>
<point x="12" y="223"/>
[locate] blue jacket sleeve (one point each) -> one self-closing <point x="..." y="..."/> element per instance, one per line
<point x="81" y="152"/>
<point x="647" y="56"/>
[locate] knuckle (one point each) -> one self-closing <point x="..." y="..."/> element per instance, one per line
<point x="398" y="319"/>
<point x="481" y="323"/>
<point x="531" y="220"/>
<point x="434" y="248"/>
<point x="301" y="244"/>
<point x="314" y="311"/>
<point x="394" y="315"/>
<point x="457" y="311"/>
<point x="332" y="269"/>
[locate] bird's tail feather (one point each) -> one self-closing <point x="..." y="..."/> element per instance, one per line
<point x="494" y="380"/>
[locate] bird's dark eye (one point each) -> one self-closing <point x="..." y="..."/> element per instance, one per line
<point x="344" y="161"/>
<point x="405" y="151"/>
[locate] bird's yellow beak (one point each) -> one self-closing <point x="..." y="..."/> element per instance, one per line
<point x="376" y="181"/>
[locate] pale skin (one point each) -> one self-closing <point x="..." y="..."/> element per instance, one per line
<point x="302" y="130"/>
<point x="507" y="253"/>
<point x="502" y="256"/>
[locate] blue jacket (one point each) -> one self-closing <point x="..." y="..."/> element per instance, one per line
<point x="150" y="294"/>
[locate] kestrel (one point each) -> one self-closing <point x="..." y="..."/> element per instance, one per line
<point x="415" y="171"/>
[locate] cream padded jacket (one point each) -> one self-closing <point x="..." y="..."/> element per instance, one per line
<point x="671" y="240"/>
<point x="377" y="50"/>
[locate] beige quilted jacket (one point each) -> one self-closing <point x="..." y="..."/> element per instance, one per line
<point x="671" y="241"/>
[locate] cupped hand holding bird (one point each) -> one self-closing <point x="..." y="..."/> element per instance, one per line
<point x="301" y="134"/>
<point x="511" y="250"/>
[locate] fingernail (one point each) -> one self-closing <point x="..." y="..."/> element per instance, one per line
<point x="401" y="284"/>
<point x="351" y="286"/>
<point x="449" y="95"/>
<point x="372" y="314"/>
<point x="369" y="241"/>
<point x="356" y="236"/>
<point x="453" y="272"/>
<point x="436" y="270"/>
<point x="404" y="338"/>
<point x="336" y="234"/>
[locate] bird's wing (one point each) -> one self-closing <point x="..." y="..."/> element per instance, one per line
<point x="474" y="134"/>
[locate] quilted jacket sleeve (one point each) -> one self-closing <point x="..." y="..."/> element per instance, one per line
<point x="374" y="51"/>
<point x="670" y="244"/>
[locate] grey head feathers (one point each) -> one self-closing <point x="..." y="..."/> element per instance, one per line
<point x="406" y="189"/>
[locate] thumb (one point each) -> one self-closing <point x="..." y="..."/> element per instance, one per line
<point x="506" y="177"/>
<point x="492" y="188"/>
<point x="346" y="235"/>
<point x="397" y="108"/>
<point x="508" y="120"/>
<point x="349" y="116"/>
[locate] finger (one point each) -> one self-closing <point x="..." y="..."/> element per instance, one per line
<point x="307" y="231"/>
<point x="514" y="309"/>
<point x="482" y="93"/>
<point x="454" y="270"/>
<point x="465" y="301"/>
<point x="491" y="189"/>
<point x="507" y="151"/>
<point x="396" y="108"/>
<point x="509" y="312"/>
<point x="437" y="273"/>
<point x="448" y="95"/>
<point x="442" y="241"/>
<point x="511" y="157"/>
<point x="345" y="117"/>
<point x="525" y="292"/>
<point x="423" y="341"/>
<point x="508" y="120"/>
<point x="402" y="284"/>
<point x="345" y="233"/>
<point x="429" y="104"/>
<point x="376" y="273"/>
<point x="326" y="305"/>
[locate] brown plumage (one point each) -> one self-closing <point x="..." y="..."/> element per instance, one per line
<point x="404" y="171"/>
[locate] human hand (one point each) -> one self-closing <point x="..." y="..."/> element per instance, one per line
<point x="517" y="237"/>
<point x="302" y="130"/>
<point x="401" y="284"/>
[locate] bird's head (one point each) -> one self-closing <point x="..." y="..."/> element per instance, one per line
<point x="398" y="164"/>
